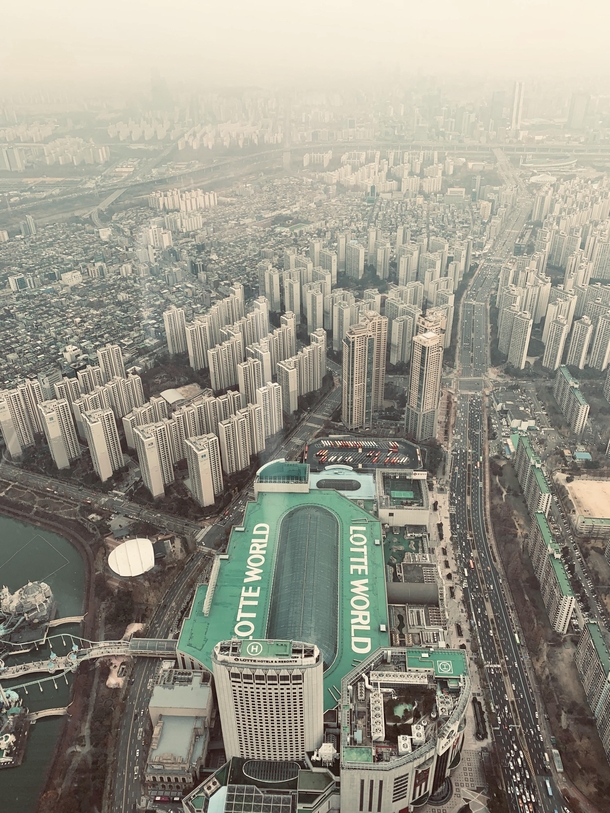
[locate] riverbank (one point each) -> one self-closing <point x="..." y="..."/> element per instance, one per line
<point x="83" y="541"/>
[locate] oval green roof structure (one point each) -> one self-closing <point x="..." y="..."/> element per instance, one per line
<point x="305" y="591"/>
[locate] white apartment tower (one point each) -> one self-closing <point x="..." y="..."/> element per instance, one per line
<point x="520" y="339"/>
<point x="270" y="698"/>
<point x="103" y="440"/>
<point x="249" y="379"/>
<point x="175" y="330"/>
<point x="582" y="332"/>
<point x="110" y="360"/>
<point x="555" y="343"/>
<point x="59" y="430"/>
<point x="378" y="326"/>
<point x="234" y="437"/>
<point x="15" y="423"/>
<point x="269" y="398"/>
<point x="600" y="351"/>
<point x="424" y="385"/>
<point x="354" y="260"/>
<point x="205" y="469"/>
<point x="358" y="363"/>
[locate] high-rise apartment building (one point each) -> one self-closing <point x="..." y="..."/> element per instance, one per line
<point x="354" y="260"/>
<point x="155" y="445"/>
<point x="288" y="379"/>
<point x="60" y="433"/>
<point x="234" y="437"/>
<point x="199" y="340"/>
<point x="103" y="440"/>
<point x="110" y="361"/>
<point x="517" y="107"/>
<point x="592" y="661"/>
<point x="269" y="398"/>
<point x="555" y="587"/>
<point x="175" y="330"/>
<point x="570" y="400"/>
<point x="270" y="698"/>
<point x="89" y="378"/>
<point x="249" y="379"/>
<point x="205" y="469"/>
<point x="272" y="281"/>
<point x="424" y="385"/>
<point x="582" y="332"/>
<point x="519" y="339"/>
<point x="378" y="327"/>
<point x="358" y="369"/>
<point x="600" y="350"/>
<point x="555" y="343"/>
<point x="15" y="423"/>
<point x="223" y="360"/>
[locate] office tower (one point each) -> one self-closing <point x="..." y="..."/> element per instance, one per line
<point x="600" y="350"/>
<point x="270" y="697"/>
<point x="205" y="470"/>
<point x="249" y="379"/>
<point x="175" y="330"/>
<point x="234" y="437"/>
<point x="556" y="339"/>
<point x="288" y="379"/>
<point x="313" y="305"/>
<point x="15" y="423"/>
<point x="519" y="339"/>
<point x="273" y="289"/>
<point x="269" y="398"/>
<point x="354" y="260"/>
<point x="582" y="331"/>
<point x="223" y="360"/>
<point x="103" y="440"/>
<point x="292" y="293"/>
<point x="358" y="371"/>
<point x="517" y="107"/>
<point x="424" y="385"/>
<point x="110" y="361"/>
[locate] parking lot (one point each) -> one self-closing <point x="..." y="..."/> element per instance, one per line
<point x="363" y="453"/>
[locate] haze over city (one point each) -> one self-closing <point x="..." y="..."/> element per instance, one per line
<point x="305" y="407"/>
<point x="277" y="43"/>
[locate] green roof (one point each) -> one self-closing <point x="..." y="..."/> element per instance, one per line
<point x="543" y="524"/>
<point x="283" y="471"/>
<point x="447" y="663"/>
<point x="541" y="480"/>
<point x="304" y="568"/>
<point x="354" y="753"/>
<point x="600" y="645"/>
<point x="561" y="576"/>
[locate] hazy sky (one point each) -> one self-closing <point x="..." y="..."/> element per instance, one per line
<point x="275" y="41"/>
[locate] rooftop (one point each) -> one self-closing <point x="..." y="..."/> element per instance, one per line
<point x="132" y="558"/>
<point x="600" y="646"/>
<point x="591" y="498"/>
<point x="283" y="471"/>
<point x="175" y="740"/>
<point x="295" y="559"/>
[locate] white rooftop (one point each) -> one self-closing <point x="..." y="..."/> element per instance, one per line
<point x="132" y="558"/>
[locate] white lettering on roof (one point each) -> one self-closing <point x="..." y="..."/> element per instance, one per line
<point x="248" y="600"/>
<point x="360" y="602"/>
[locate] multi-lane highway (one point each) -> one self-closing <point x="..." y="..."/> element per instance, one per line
<point x="523" y="754"/>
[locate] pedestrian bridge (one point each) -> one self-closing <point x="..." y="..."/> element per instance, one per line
<point x="90" y="650"/>
<point x="71" y="619"/>
<point x="39" y="715"/>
